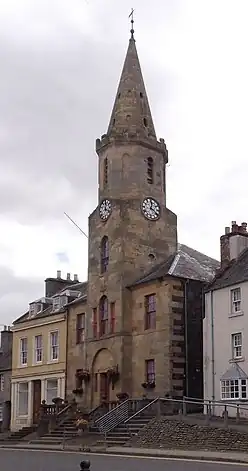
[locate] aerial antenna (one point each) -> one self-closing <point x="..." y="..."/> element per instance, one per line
<point x="75" y="224"/>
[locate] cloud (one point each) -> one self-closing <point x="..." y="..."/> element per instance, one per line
<point x="60" y="65"/>
<point x="14" y="292"/>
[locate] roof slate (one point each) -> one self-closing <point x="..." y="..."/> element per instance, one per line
<point x="82" y="287"/>
<point x="236" y="272"/>
<point x="234" y="372"/>
<point x="185" y="263"/>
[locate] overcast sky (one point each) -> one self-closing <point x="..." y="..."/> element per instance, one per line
<point x="60" y="64"/>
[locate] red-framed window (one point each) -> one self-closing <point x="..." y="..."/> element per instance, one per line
<point x="150" y="371"/>
<point x="112" y="318"/>
<point x="80" y="328"/>
<point x="150" y="311"/>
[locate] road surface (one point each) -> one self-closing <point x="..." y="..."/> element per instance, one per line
<point x="28" y="460"/>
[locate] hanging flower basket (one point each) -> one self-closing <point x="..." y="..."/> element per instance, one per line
<point x="113" y="374"/>
<point x="149" y="385"/>
<point x="83" y="374"/>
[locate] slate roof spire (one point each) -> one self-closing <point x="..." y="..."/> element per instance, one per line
<point x="131" y="115"/>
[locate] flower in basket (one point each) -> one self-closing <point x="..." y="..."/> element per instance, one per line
<point x="82" y="424"/>
<point x="148" y="385"/>
<point x="83" y="374"/>
<point x="113" y="373"/>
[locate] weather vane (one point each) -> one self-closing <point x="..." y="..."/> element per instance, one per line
<point x="132" y="22"/>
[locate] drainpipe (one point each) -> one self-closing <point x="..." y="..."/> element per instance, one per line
<point x="66" y="353"/>
<point x="186" y="337"/>
<point x="212" y="345"/>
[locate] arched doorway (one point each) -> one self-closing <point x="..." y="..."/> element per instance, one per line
<point x="101" y="390"/>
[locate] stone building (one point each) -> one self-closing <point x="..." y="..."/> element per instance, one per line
<point x="5" y="377"/>
<point x="142" y="309"/>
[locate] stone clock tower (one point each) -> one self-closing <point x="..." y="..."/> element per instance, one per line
<point x="131" y="230"/>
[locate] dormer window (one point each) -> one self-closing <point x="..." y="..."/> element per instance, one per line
<point x="56" y="303"/>
<point x="35" y="308"/>
<point x="59" y="302"/>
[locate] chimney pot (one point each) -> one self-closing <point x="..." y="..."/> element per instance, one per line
<point x="227" y="230"/>
<point x="244" y="226"/>
<point x="75" y="277"/>
<point x="68" y="277"/>
<point x="5" y="327"/>
<point x="9" y="328"/>
<point x="58" y="273"/>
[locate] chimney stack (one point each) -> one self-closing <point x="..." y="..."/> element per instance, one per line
<point x="233" y="242"/>
<point x="75" y="277"/>
<point x="68" y="277"/>
<point x="58" y="274"/>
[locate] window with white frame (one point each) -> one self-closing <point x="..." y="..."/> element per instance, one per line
<point x="23" y="398"/>
<point x="54" y="345"/>
<point x="38" y="349"/>
<point x="24" y="351"/>
<point x="236" y="345"/>
<point x="234" y="389"/>
<point x="1" y="382"/>
<point x="235" y="300"/>
<point x="51" y="390"/>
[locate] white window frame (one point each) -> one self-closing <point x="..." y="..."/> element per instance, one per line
<point x="235" y="301"/>
<point x="23" y="352"/>
<point x="2" y="382"/>
<point x="234" y="389"/>
<point x="26" y="392"/>
<point x="237" y="345"/>
<point x="54" y="346"/>
<point x="38" y="350"/>
<point x="56" y="390"/>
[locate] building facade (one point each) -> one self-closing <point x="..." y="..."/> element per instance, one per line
<point x="5" y="378"/>
<point x="225" y="325"/>
<point x="39" y="351"/>
<point x="142" y="309"/>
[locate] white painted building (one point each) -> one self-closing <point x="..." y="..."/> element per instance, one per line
<point x="225" y="326"/>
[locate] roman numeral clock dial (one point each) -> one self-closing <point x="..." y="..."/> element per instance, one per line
<point x="105" y="209"/>
<point x="151" y="209"/>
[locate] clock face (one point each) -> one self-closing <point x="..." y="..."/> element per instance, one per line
<point x="151" y="209"/>
<point x="105" y="209"/>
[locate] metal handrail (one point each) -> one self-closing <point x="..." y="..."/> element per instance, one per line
<point x="67" y="407"/>
<point x="112" y="410"/>
<point x="204" y="402"/>
<point x="141" y="410"/>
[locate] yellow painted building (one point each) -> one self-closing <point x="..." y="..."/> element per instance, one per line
<point x="39" y="352"/>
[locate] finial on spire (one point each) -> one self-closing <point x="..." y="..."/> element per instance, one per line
<point x="132" y="22"/>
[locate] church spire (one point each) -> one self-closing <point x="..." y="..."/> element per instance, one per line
<point x="131" y="115"/>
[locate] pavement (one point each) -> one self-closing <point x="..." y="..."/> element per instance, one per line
<point x="11" y="460"/>
<point x="210" y="456"/>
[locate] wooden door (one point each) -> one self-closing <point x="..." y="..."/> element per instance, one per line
<point x="104" y="387"/>
<point x="36" y="400"/>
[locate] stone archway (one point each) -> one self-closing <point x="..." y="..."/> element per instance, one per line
<point x="101" y="390"/>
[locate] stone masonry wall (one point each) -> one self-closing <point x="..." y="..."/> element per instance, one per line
<point x="175" y="434"/>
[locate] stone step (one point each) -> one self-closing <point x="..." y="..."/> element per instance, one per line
<point x="44" y="441"/>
